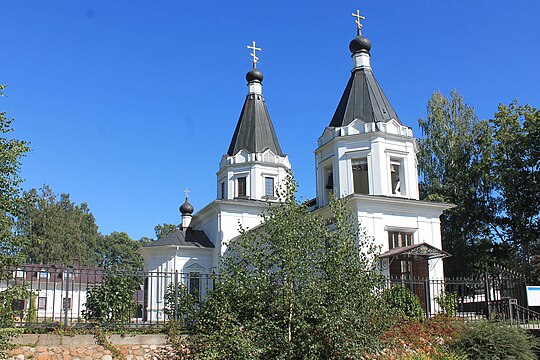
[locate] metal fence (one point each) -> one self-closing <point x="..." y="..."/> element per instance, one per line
<point x="66" y="296"/>
<point x="486" y="297"/>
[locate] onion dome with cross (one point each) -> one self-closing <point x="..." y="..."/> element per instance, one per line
<point x="359" y="43"/>
<point x="186" y="208"/>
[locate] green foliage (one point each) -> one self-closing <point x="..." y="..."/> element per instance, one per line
<point x="295" y="288"/>
<point x="8" y="315"/>
<point x="31" y="317"/>
<point x="163" y="230"/>
<point x="11" y="152"/>
<point x="516" y="159"/>
<point x="180" y="306"/>
<point x="492" y="341"/>
<point x="489" y="169"/>
<point x="53" y="227"/>
<point x="119" y="251"/>
<point x="404" y="302"/>
<point x="111" y="302"/>
<point x="448" y="302"/>
<point x="454" y="160"/>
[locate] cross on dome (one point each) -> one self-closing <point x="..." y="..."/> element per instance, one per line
<point x="357" y="21"/>
<point x="254" y="53"/>
<point x="186" y="191"/>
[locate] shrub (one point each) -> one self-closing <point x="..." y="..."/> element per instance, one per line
<point x="415" y="339"/>
<point x="448" y="302"/>
<point x="404" y="303"/>
<point x="112" y="301"/>
<point x="180" y="306"/>
<point x="491" y="341"/>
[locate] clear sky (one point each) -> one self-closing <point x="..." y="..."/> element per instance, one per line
<point x="128" y="102"/>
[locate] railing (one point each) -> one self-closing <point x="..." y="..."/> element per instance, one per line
<point x="521" y="316"/>
<point x="466" y="298"/>
<point x="84" y="297"/>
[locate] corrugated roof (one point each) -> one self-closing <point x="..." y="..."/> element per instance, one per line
<point x="192" y="238"/>
<point x="363" y="99"/>
<point x="254" y="131"/>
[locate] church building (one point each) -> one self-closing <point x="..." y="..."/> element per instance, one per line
<point x="365" y="155"/>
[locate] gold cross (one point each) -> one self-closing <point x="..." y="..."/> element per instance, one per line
<point x="357" y="21"/>
<point x="254" y="53"/>
<point x="186" y="190"/>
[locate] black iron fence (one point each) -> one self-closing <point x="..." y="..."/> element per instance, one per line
<point x="485" y="297"/>
<point x="66" y="296"/>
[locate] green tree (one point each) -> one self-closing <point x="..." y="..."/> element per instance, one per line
<point x="296" y="288"/>
<point x="117" y="250"/>
<point x="455" y="163"/>
<point x="113" y="301"/>
<point x="11" y="152"/>
<point x="516" y="133"/>
<point x="165" y="229"/>
<point x="54" y="227"/>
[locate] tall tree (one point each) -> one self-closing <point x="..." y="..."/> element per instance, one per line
<point x="118" y="251"/>
<point x="295" y="288"/>
<point x="516" y="131"/>
<point x="454" y="160"/>
<point x="11" y="152"/>
<point x="165" y="229"/>
<point x="54" y="227"/>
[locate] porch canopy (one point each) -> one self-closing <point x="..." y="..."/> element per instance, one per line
<point x="422" y="250"/>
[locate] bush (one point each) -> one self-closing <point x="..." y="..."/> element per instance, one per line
<point x="491" y="341"/>
<point x="404" y="303"/>
<point x="448" y="302"/>
<point x="415" y="339"/>
<point x="180" y="306"/>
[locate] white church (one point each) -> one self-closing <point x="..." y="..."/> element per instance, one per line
<point x="365" y="155"/>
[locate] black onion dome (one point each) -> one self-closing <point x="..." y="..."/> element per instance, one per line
<point x="186" y="208"/>
<point x="254" y="75"/>
<point x="360" y="43"/>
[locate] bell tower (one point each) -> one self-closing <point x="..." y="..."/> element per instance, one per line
<point x="365" y="149"/>
<point x="254" y="165"/>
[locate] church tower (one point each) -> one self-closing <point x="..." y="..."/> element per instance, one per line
<point x="365" y="149"/>
<point x="254" y="163"/>
<point x="367" y="156"/>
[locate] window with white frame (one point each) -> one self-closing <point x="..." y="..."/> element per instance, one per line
<point x="397" y="186"/>
<point x="360" y="176"/>
<point x="269" y="187"/>
<point x="222" y="194"/>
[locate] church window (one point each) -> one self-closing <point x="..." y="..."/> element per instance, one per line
<point x="241" y="186"/>
<point x="269" y="186"/>
<point x="360" y="176"/>
<point x="395" y="177"/>
<point x="195" y="285"/>
<point x="399" y="239"/>
<point x="222" y="194"/>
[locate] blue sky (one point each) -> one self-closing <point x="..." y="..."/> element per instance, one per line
<point x="126" y="103"/>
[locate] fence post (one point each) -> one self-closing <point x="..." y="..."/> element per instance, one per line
<point x="428" y="297"/>
<point x="486" y="295"/>
<point x="66" y="299"/>
<point x="176" y="296"/>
